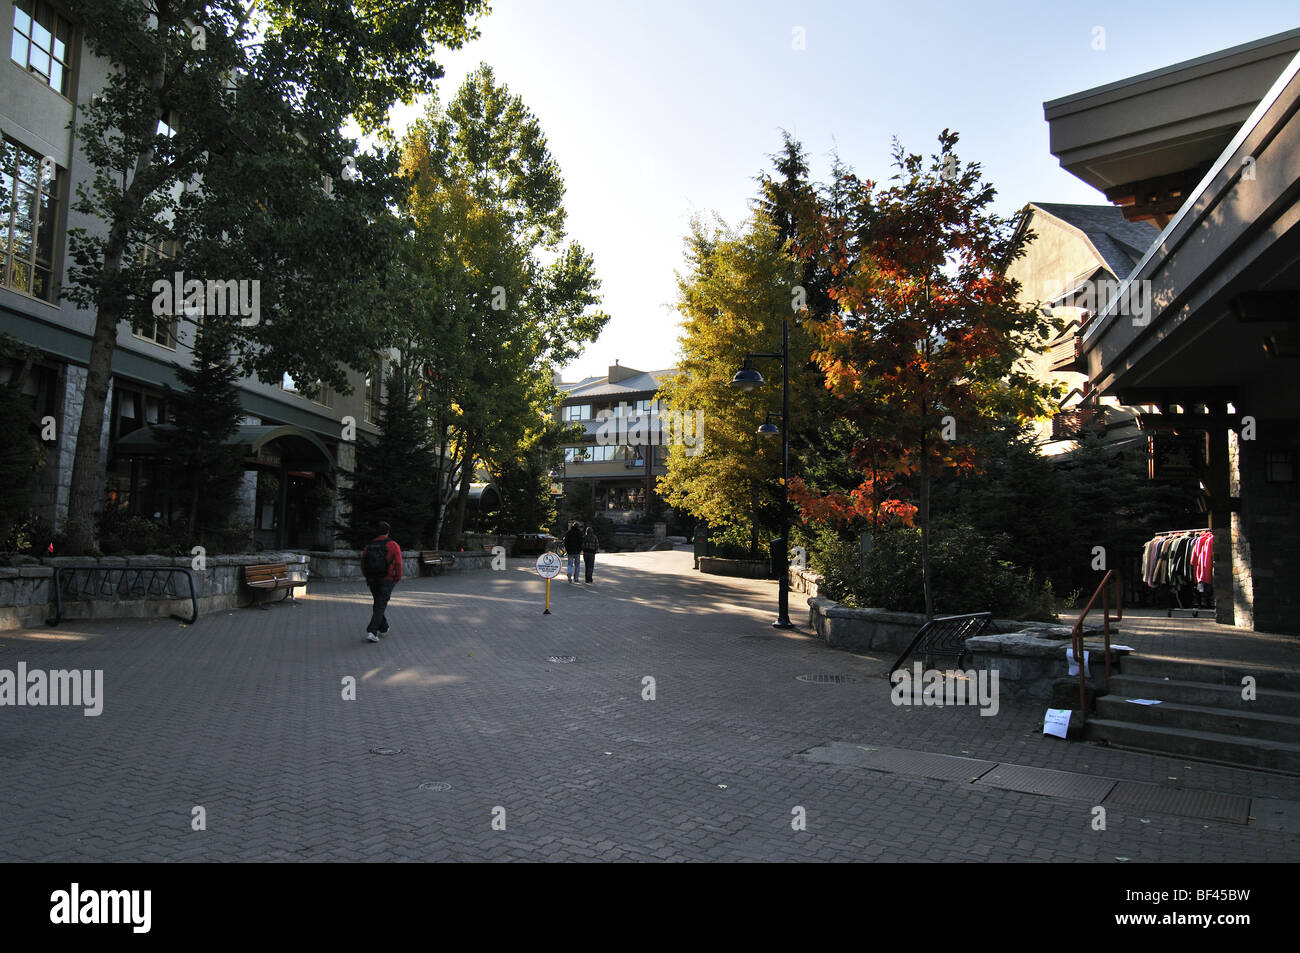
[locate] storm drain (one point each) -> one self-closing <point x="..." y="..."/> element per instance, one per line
<point x="561" y="659"/>
<point x="1203" y="805"/>
<point x="826" y="679"/>
<point x="435" y="786"/>
<point x="385" y="750"/>
<point x="1030" y="780"/>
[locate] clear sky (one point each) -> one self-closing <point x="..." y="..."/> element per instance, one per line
<point x="659" y="110"/>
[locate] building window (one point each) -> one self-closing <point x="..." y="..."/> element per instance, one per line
<point x="29" y="192"/>
<point x="578" y="454"/>
<point x="1279" y="467"/>
<point x="647" y="407"/>
<point x="159" y="329"/>
<point x="374" y="387"/>
<point x="577" y="412"/>
<point x="41" y="44"/>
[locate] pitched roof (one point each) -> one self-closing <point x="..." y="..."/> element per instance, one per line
<point x="1120" y="243"/>
<point x="645" y="382"/>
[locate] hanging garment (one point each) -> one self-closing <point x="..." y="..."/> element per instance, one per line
<point x="1203" y="561"/>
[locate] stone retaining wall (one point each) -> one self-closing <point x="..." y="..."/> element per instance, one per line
<point x="27" y="593"/>
<point x="747" y="568"/>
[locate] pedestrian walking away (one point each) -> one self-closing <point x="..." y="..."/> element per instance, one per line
<point x="573" y="548"/>
<point x="381" y="564"/>
<point x="590" y="543"/>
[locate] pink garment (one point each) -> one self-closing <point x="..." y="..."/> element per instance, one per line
<point x="1203" y="558"/>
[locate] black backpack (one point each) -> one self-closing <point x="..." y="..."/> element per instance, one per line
<point x="374" y="559"/>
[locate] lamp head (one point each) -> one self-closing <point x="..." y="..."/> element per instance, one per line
<point x="747" y="379"/>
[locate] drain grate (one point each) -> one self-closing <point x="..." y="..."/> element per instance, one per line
<point x="826" y="679"/>
<point x="435" y="786"/>
<point x="1030" y="780"/>
<point x="562" y="659"/>
<point x="1205" y="805"/>
<point x="384" y="749"/>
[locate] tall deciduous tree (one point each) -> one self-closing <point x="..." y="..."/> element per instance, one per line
<point x="739" y="287"/>
<point x="215" y="128"/>
<point x="925" y="337"/>
<point x="507" y="298"/>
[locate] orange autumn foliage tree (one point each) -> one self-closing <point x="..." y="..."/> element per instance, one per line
<point x="923" y="338"/>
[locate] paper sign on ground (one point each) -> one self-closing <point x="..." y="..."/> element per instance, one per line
<point x="1057" y="722"/>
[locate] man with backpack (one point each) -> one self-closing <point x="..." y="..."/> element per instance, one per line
<point x="381" y="564"/>
<point x="573" y="549"/>
<point x="590" y="543"/>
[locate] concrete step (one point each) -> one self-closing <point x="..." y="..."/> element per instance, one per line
<point x="1200" y="745"/>
<point x="1267" y="700"/>
<point x="1211" y="672"/>
<point x="1239" y="724"/>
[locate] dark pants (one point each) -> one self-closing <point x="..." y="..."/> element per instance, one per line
<point x="382" y="590"/>
<point x="589" y="559"/>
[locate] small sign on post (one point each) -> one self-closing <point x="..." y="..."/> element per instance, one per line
<point x="548" y="567"/>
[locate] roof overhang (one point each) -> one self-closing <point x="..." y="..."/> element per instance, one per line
<point x="294" y="447"/>
<point x="1201" y="310"/>
<point x="1147" y="141"/>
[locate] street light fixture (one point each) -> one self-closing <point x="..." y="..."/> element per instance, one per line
<point x="748" y="379"/>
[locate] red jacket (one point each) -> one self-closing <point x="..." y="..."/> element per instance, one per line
<point x="394" y="559"/>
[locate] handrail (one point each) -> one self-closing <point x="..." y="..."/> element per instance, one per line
<point x="1076" y="634"/>
<point x="144" y="580"/>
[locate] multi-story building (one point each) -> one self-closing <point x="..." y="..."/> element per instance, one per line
<point x="293" y="445"/>
<point x="1072" y="268"/>
<point x="620" y="454"/>
<point x="1209" y="150"/>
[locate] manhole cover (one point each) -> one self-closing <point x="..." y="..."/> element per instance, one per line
<point x="826" y="679"/>
<point x="435" y="786"/>
<point x="562" y="659"/>
<point x="385" y="750"/>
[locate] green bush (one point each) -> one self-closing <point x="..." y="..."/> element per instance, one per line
<point x="732" y="542"/>
<point x="967" y="574"/>
<point x="839" y="561"/>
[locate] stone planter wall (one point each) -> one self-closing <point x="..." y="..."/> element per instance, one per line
<point x="747" y="568"/>
<point x="1032" y="665"/>
<point x="24" y="596"/>
<point x="805" y="580"/>
<point x="345" y="565"/>
<point x="217" y="587"/>
<point x="862" y="630"/>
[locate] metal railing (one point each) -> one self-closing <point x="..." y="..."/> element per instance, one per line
<point x="123" y="582"/>
<point x="1112" y="580"/>
<point x="945" y="638"/>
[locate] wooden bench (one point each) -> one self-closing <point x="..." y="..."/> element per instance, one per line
<point x="274" y="576"/>
<point x="434" y="561"/>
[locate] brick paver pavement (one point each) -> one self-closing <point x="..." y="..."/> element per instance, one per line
<point x="243" y="715"/>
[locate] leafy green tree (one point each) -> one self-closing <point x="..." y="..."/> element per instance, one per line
<point x="739" y="286"/>
<point x="206" y="469"/>
<point x="506" y="297"/>
<point x="524" y="479"/>
<point x="393" y="481"/>
<point x="211" y="140"/>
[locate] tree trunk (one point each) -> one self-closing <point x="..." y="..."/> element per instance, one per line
<point x="83" y="491"/>
<point x="462" y="497"/>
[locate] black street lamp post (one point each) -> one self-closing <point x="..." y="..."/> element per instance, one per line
<point x="748" y="379"/>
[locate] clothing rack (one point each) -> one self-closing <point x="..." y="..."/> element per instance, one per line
<point x="1175" y="589"/>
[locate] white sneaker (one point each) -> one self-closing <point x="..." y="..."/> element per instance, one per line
<point x="371" y="637"/>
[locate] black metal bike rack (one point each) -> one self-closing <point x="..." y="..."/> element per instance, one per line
<point x="944" y="638"/>
<point x="127" y="582"/>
